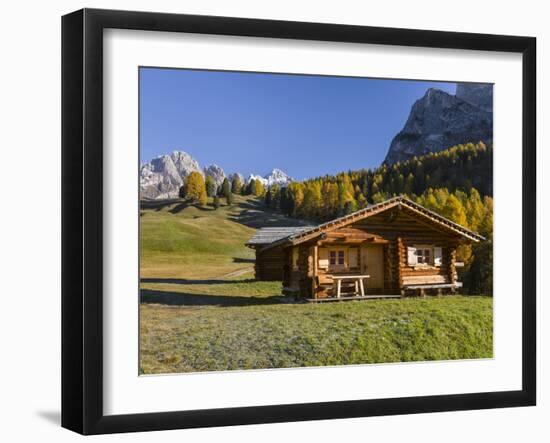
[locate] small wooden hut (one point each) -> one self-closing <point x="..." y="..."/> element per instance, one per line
<point x="388" y="249"/>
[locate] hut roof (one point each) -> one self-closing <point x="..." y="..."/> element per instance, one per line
<point x="306" y="233"/>
<point x="265" y="236"/>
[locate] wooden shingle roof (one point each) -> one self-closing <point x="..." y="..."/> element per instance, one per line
<point x="265" y="236"/>
<point x="306" y="233"/>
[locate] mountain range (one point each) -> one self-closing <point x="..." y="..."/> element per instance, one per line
<point x="163" y="176"/>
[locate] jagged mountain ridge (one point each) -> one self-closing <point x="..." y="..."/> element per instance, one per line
<point x="440" y="120"/>
<point x="162" y="177"/>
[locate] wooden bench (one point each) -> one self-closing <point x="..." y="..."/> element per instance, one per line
<point x="421" y="288"/>
<point x="323" y="285"/>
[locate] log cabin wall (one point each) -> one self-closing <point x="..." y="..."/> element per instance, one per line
<point x="287" y="267"/>
<point x="305" y="266"/>
<point x="270" y="264"/>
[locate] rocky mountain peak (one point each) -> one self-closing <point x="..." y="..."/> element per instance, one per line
<point x="163" y="176"/>
<point x="480" y="95"/>
<point x="440" y="120"/>
<point x="215" y="172"/>
<point x="185" y="164"/>
<point x="235" y="175"/>
<point x="276" y="176"/>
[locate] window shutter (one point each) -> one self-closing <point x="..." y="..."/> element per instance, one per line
<point x="411" y="256"/>
<point x="323" y="258"/>
<point x="438" y="253"/>
<point x="353" y="257"/>
<point x="295" y="255"/>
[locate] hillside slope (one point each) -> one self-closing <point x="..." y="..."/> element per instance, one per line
<point x="186" y="241"/>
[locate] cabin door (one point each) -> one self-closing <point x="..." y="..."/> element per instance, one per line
<point x="372" y="264"/>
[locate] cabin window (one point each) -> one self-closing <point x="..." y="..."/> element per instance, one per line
<point x="424" y="255"/>
<point x="337" y="258"/>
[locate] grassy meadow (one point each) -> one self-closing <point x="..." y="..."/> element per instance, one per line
<point x="201" y="310"/>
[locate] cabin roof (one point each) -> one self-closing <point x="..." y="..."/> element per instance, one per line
<point x="265" y="236"/>
<point x="302" y="234"/>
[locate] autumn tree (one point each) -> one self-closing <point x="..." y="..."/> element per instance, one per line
<point x="258" y="189"/>
<point x="195" y="189"/>
<point x="236" y="185"/>
<point x="312" y="200"/>
<point x="329" y="191"/>
<point x="454" y="211"/>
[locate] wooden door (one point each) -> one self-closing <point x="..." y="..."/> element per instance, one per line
<point x="372" y="263"/>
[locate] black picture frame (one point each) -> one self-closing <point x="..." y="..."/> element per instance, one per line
<point x="82" y="215"/>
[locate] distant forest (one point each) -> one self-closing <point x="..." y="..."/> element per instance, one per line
<point x="457" y="170"/>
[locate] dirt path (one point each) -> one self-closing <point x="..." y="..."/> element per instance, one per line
<point x="238" y="272"/>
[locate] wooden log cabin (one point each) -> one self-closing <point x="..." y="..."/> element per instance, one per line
<point x="393" y="248"/>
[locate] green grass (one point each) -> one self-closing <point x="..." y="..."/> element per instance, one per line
<point x="202" y="311"/>
<point x="181" y="339"/>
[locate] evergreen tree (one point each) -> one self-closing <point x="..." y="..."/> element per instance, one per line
<point x="361" y="201"/>
<point x="181" y="192"/>
<point x="211" y="187"/>
<point x="250" y="187"/>
<point x="226" y="188"/>
<point x="229" y="198"/>
<point x="296" y="193"/>
<point x="287" y="202"/>
<point x="350" y="207"/>
<point x="274" y="193"/>
<point x="236" y="185"/>
<point x="216" y="202"/>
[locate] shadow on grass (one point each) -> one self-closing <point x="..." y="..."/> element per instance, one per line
<point x="180" y="207"/>
<point x="255" y="214"/>
<point x="243" y="260"/>
<point x="185" y="281"/>
<point x="177" y="204"/>
<point x="184" y="299"/>
<point x="158" y="204"/>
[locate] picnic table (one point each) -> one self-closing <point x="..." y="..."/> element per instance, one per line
<point x="357" y="278"/>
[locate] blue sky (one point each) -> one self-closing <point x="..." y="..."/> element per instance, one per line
<point x="251" y="123"/>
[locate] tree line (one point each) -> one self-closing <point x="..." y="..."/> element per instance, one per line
<point x="461" y="167"/>
<point x="197" y="189"/>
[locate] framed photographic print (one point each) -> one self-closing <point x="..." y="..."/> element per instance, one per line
<point x="269" y="221"/>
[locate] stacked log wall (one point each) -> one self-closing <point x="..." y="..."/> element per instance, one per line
<point x="270" y="264"/>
